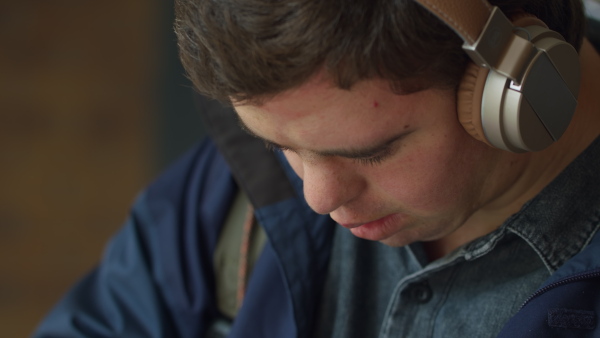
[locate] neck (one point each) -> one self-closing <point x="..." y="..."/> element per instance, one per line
<point x="537" y="169"/>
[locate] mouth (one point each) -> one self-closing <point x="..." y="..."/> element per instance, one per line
<point x="351" y="225"/>
<point x="375" y="230"/>
<point x="359" y="224"/>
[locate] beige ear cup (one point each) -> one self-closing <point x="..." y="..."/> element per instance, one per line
<point x="470" y="89"/>
<point x="469" y="94"/>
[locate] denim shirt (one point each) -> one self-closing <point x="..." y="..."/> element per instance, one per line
<point x="373" y="290"/>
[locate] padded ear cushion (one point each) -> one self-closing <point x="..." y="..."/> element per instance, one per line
<point x="469" y="94"/>
<point x="470" y="89"/>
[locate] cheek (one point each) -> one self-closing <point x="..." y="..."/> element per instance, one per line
<point x="435" y="177"/>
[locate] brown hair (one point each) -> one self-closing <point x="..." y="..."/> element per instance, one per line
<point x="254" y="49"/>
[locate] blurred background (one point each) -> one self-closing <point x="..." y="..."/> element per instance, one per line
<point x="93" y="105"/>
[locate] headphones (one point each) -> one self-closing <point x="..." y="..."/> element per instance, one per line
<point x="520" y="92"/>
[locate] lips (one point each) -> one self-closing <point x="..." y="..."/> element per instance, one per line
<point x="375" y="230"/>
<point x="351" y="225"/>
<point x="358" y="224"/>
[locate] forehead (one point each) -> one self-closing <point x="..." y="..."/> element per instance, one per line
<point x="318" y="116"/>
<point x="321" y="98"/>
<point x="319" y="101"/>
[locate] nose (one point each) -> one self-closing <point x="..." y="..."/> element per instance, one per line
<point x="329" y="184"/>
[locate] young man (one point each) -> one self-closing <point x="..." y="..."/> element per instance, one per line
<point x="440" y="234"/>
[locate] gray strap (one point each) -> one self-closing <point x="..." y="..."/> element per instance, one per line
<point x="227" y="255"/>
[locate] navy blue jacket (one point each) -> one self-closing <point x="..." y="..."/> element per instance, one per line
<point x="567" y="304"/>
<point x="157" y="275"/>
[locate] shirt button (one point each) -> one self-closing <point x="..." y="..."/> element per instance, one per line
<point x="420" y="293"/>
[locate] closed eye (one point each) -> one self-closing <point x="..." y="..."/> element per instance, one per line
<point x="376" y="158"/>
<point x="372" y="160"/>
<point x="274" y="146"/>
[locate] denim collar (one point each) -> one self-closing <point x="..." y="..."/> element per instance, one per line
<point x="561" y="220"/>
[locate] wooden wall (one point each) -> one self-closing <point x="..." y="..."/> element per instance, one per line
<point x="78" y="82"/>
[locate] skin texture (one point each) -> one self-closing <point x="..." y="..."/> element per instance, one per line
<point x="429" y="177"/>
<point x="400" y="168"/>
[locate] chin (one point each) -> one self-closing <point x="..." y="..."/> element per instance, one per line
<point x="398" y="241"/>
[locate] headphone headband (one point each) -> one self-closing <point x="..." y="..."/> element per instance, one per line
<point x="487" y="33"/>
<point x="468" y="25"/>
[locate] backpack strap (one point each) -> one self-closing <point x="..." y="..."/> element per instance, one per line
<point x="240" y="243"/>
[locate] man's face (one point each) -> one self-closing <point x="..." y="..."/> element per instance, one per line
<point x="391" y="168"/>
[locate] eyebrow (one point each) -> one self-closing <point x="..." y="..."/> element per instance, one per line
<point x="353" y="153"/>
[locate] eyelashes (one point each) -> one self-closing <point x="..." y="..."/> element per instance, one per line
<point x="377" y="158"/>
<point x="371" y="160"/>
<point x="275" y="147"/>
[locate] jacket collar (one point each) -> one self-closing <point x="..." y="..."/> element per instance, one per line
<point x="562" y="219"/>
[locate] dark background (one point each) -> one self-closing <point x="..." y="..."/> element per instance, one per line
<point x="93" y="105"/>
